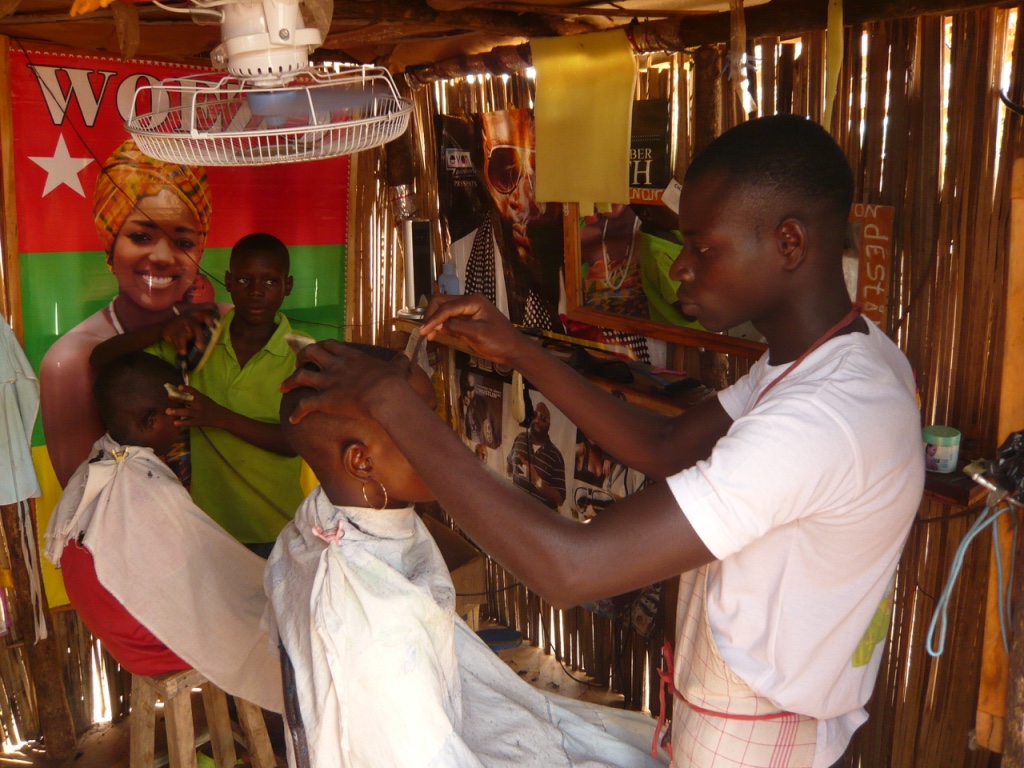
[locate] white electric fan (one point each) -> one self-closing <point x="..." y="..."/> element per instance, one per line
<point x="272" y="106"/>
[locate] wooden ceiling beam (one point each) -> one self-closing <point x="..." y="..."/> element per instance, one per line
<point x="420" y="14"/>
<point x="787" y="18"/>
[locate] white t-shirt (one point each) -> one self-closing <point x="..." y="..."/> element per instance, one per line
<point x="806" y="503"/>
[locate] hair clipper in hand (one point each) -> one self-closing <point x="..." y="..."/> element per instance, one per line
<point x="195" y="358"/>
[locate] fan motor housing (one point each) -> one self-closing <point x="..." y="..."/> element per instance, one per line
<point x="264" y="41"/>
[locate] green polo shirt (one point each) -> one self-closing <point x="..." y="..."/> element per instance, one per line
<point x="252" y="493"/>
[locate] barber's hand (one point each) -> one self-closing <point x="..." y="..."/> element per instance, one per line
<point x="342" y="377"/>
<point x="190" y="327"/>
<point x="477" y="322"/>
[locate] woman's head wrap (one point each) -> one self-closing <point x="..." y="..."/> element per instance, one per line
<point x="128" y="175"/>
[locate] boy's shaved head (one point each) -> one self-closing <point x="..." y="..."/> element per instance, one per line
<point x="320" y="438"/>
<point x="128" y="388"/>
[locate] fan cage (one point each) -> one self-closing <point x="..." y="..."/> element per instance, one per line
<point x="208" y="120"/>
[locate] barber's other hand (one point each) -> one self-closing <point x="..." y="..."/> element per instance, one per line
<point x="342" y="377"/>
<point x="477" y="322"/>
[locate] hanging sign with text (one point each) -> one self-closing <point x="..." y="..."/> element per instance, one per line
<point x="871" y="227"/>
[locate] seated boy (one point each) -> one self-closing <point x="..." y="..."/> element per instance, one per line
<point x="385" y="672"/>
<point x="160" y="584"/>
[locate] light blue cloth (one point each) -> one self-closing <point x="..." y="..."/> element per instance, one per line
<point x="20" y="404"/>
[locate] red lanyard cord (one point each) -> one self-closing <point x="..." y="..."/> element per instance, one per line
<point x="848" y="318"/>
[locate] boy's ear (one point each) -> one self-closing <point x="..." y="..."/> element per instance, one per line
<point x="227" y="279"/>
<point x="357" y="459"/>
<point x="288" y="286"/>
<point x="791" y="236"/>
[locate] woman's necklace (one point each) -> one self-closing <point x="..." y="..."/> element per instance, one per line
<point x="116" y="321"/>
<point x="620" y="272"/>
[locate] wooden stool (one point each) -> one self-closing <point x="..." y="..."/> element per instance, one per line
<point x="175" y="690"/>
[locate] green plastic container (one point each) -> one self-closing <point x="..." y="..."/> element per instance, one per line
<point x="941" y="448"/>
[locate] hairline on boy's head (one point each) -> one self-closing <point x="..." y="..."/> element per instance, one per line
<point x="786" y="154"/>
<point x="128" y="385"/>
<point x="260" y="244"/>
<point x="316" y="436"/>
<point x="315" y="427"/>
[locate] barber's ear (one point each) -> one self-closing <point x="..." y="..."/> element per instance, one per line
<point x="357" y="459"/>
<point x="791" y="236"/>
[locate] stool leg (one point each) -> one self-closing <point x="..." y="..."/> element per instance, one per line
<point x="142" y="724"/>
<point x="219" y="721"/>
<point x="254" y="727"/>
<point x="181" y="734"/>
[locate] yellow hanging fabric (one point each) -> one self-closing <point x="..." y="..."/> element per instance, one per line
<point x="583" y="113"/>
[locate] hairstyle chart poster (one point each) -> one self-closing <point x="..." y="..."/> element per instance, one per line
<point x="504" y="244"/>
<point x="70" y="117"/>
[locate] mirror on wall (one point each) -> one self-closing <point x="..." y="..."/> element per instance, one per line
<point x="616" y="276"/>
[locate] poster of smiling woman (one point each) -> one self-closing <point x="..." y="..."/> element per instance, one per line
<point x="110" y="240"/>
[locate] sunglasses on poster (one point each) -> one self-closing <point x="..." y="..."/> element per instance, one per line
<point x="506" y="164"/>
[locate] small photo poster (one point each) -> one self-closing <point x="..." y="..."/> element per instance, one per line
<point x="538" y="452"/>
<point x="480" y="405"/>
<point x="599" y="479"/>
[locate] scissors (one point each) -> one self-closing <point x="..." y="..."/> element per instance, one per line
<point x="413" y="345"/>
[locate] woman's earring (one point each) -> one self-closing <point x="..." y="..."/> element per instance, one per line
<point x="367" y="500"/>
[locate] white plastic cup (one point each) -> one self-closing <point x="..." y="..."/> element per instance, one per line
<point x="941" y="448"/>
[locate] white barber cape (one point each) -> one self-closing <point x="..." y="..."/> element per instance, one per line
<point x="387" y="675"/>
<point x="197" y="589"/>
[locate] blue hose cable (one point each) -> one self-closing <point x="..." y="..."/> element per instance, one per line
<point x="940" y="617"/>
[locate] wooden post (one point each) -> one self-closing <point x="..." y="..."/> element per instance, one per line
<point x="1011" y="419"/>
<point x="41" y="658"/>
<point x="10" y="268"/>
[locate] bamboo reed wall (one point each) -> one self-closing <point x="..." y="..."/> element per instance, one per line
<point x="919" y="117"/>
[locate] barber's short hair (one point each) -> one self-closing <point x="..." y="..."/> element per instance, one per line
<point x="786" y="153"/>
<point x="129" y="384"/>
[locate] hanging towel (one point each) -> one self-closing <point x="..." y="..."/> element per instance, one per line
<point x="583" y="113"/>
<point x="19" y="403"/>
<point x="19" y="399"/>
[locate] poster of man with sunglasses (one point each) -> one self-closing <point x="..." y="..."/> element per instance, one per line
<point x="504" y="243"/>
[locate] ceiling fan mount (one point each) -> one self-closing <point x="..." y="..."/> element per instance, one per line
<point x="272" y="106"/>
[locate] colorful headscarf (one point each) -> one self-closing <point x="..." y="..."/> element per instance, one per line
<point x="128" y="175"/>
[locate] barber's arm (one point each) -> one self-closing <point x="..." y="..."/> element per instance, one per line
<point x="202" y="411"/>
<point x="652" y="443"/>
<point x="640" y="540"/>
<point x="180" y="331"/>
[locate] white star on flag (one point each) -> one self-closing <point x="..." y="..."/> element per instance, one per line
<point x="62" y="168"/>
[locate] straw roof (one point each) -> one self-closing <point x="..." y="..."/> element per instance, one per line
<point x="400" y="33"/>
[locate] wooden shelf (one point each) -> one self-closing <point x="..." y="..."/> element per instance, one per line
<point x="953" y="488"/>
<point x="641" y="391"/>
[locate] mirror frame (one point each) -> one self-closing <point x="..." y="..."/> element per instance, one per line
<point x="577" y="310"/>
